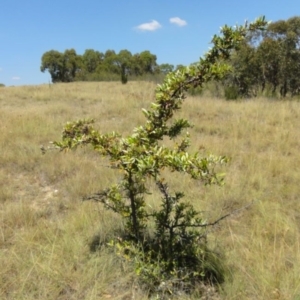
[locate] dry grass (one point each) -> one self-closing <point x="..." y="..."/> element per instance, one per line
<point x="45" y="229"/>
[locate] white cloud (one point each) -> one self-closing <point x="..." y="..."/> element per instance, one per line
<point x="177" y="21"/>
<point x="16" y="78"/>
<point x="151" y="26"/>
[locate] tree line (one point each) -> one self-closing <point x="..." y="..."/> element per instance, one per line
<point x="267" y="62"/>
<point x="97" y="66"/>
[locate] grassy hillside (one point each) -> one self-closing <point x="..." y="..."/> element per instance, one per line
<point x="47" y="232"/>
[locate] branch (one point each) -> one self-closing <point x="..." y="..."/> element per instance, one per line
<point x="229" y="214"/>
<point x="100" y="197"/>
<point x="218" y="220"/>
<point x="164" y="190"/>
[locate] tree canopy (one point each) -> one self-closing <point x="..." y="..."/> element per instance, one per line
<point x="268" y="60"/>
<point x="62" y="67"/>
<point x="95" y="65"/>
<point x="266" y="63"/>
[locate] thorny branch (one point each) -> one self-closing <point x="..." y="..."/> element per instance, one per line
<point x="164" y="190"/>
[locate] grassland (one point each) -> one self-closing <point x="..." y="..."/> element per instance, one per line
<point x="47" y="232"/>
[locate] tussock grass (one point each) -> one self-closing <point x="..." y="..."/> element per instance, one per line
<point x="49" y="237"/>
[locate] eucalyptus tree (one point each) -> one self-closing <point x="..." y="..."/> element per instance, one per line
<point x="91" y="60"/>
<point x="62" y="67"/>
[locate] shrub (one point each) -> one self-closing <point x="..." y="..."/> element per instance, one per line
<point x="231" y="92"/>
<point x="176" y="255"/>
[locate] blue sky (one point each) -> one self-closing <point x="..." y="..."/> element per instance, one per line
<point x="176" y="31"/>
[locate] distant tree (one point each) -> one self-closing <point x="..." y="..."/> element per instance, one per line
<point x="52" y="61"/>
<point x="136" y="65"/>
<point x="288" y="35"/>
<point x="166" y="68"/>
<point x="72" y="64"/>
<point x="148" y="62"/>
<point x="268" y="55"/>
<point x="179" y="67"/>
<point x="279" y="54"/>
<point x="110" y="62"/>
<point x="124" y="62"/>
<point x="96" y="66"/>
<point x="91" y="60"/>
<point x="2" y="85"/>
<point x="144" y="63"/>
<point x="245" y="77"/>
<point x="270" y="59"/>
<point x="61" y="66"/>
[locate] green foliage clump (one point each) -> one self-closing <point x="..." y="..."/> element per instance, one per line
<point x="62" y="67"/>
<point x="96" y="66"/>
<point x="231" y="92"/>
<point x="267" y="64"/>
<point x="176" y="255"/>
<point x="2" y="85"/>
